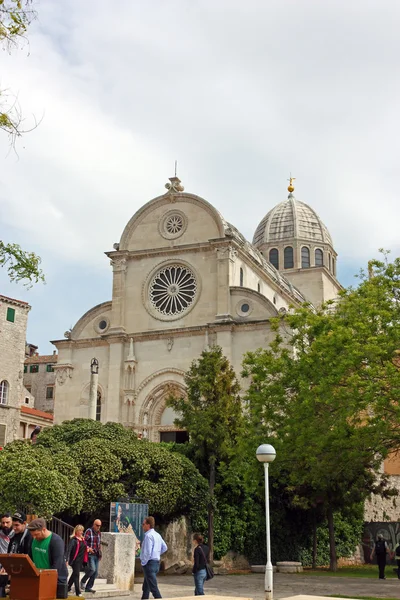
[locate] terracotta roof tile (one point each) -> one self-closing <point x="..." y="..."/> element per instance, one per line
<point x="8" y="299"/>
<point x="37" y="413"/>
<point x="42" y="358"/>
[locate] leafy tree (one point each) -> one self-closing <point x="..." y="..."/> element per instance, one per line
<point x="15" y="18"/>
<point x="326" y="393"/>
<point x="38" y="479"/>
<point x="113" y="463"/>
<point x="20" y="265"/>
<point x="212" y="414"/>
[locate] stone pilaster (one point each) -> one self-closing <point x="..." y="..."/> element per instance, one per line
<point x="115" y="384"/>
<point x="225" y="258"/>
<point x="118" y="296"/>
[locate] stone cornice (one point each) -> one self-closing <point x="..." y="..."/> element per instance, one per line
<point x="165" y="333"/>
<point x="323" y="269"/>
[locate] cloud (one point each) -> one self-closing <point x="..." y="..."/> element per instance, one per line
<point x="241" y="94"/>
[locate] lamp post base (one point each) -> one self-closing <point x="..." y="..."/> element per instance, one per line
<point x="268" y="581"/>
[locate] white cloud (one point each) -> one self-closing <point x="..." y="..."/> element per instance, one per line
<point x="240" y="93"/>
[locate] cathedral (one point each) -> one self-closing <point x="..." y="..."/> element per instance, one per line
<point x="184" y="279"/>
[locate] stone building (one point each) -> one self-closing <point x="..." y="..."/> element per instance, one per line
<point x="185" y="279"/>
<point x="13" y="322"/>
<point x="39" y="379"/>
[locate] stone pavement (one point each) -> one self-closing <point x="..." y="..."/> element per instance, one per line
<point x="285" y="585"/>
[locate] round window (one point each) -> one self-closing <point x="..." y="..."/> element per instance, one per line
<point x="102" y="324"/>
<point x="245" y="307"/>
<point x="173" y="224"/>
<point x="172" y="290"/>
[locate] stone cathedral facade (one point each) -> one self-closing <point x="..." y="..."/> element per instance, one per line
<point x="183" y="280"/>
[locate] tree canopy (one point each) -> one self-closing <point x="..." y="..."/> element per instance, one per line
<point x="326" y="394"/>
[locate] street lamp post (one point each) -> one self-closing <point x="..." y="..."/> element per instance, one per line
<point x="266" y="454"/>
<point x="94" y="380"/>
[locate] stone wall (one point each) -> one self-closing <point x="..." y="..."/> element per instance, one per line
<point x="12" y="355"/>
<point x="383" y="509"/>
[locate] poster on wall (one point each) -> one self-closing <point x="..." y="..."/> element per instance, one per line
<point x="128" y="518"/>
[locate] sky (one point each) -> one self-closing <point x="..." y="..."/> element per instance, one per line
<point x="241" y="94"/>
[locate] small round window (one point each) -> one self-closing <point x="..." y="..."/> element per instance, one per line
<point x="173" y="224"/>
<point x="102" y="325"/>
<point x="244" y="308"/>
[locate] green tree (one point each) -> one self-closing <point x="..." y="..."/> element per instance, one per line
<point x="326" y="393"/>
<point x="113" y="463"/>
<point x="15" y="18"/>
<point x="20" y="265"/>
<point x="39" y="480"/>
<point x="212" y="414"/>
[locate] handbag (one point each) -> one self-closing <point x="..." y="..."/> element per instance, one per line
<point x="209" y="570"/>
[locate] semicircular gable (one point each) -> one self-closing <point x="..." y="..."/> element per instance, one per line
<point x="90" y="315"/>
<point x="173" y="201"/>
<point x="260" y="307"/>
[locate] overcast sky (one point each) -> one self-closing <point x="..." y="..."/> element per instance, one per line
<point x="240" y="93"/>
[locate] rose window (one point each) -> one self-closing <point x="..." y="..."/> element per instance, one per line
<point x="173" y="290"/>
<point x="174" y="224"/>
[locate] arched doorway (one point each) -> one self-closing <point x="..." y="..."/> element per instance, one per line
<point x="156" y="420"/>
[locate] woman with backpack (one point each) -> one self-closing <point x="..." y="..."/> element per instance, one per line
<point x="77" y="556"/>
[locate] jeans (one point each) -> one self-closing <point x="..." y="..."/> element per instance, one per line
<point x="199" y="579"/>
<point x="92" y="570"/>
<point x="150" y="571"/>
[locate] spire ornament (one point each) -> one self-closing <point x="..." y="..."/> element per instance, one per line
<point x="175" y="186"/>
<point x="291" y="186"/>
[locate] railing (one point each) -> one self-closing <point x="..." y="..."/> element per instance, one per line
<point x="60" y="528"/>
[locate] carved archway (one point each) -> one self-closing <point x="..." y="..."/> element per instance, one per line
<point x="153" y="407"/>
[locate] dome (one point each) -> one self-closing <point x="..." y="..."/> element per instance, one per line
<point x="291" y="220"/>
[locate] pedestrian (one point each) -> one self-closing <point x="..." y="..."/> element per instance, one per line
<point x="381" y="549"/>
<point x="6" y="534"/>
<point x="47" y="552"/>
<point x="200" y="559"/>
<point x="152" y="547"/>
<point x="397" y="553"/>
<point x="77" y="556"/>
<point x="93" y="542"/>
<point x="21" y="541"/>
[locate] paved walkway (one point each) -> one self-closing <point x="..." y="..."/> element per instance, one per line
<point x="285" y="585"/>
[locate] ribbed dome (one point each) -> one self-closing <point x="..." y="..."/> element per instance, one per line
<point x="290" y="220"/>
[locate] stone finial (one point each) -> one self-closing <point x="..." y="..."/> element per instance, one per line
<point x="175" y="186"/>
<point x="131" y="355"/>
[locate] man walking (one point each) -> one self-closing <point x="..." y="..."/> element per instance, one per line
<point x="152" y="547"/>
<point x="47" y="549"/>
<point x="381" y="548"/>
<point x="93" y="542"/>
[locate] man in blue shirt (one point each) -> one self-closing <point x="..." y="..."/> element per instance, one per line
<point x="152" y="547"/>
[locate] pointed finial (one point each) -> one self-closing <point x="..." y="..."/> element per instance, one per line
<point x="176" y="168"/>
<point x="291" y="186"/>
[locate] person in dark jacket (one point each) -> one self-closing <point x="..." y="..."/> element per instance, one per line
<point x="200" y="557"/>
<point x="381" y="549"/>
<point x="21" y="542"/>
<point x="76" y="557"/>
<point x="47" y="549"/>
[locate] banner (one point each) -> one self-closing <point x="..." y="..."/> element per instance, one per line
<point x="128" y="518"/>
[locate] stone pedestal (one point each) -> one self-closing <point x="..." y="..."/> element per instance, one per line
<point x="118" y="562"/>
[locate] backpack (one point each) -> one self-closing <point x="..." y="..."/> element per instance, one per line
<point x="380" y="547"/>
